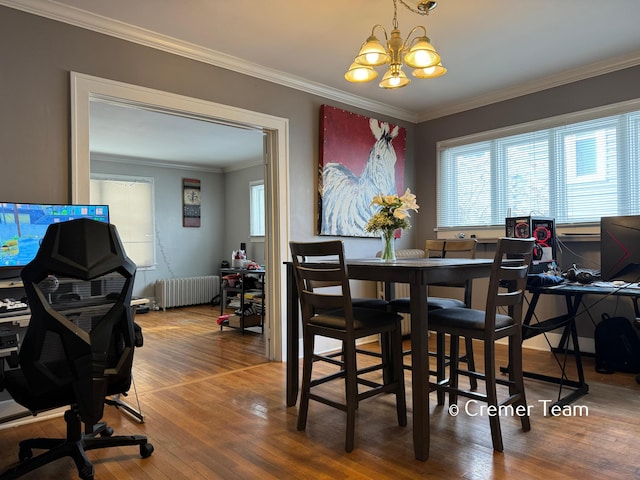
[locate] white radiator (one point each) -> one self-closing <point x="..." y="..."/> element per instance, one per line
<point x="179" y="292"/>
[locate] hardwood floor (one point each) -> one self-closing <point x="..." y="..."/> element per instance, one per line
<point x="215" y="409"/>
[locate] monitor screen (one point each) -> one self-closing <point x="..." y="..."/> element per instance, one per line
<point x="620" y="248"/>
<point x="23" y="225"/>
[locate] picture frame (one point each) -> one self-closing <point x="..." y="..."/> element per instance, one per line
<point x="191" y="202"/>
<point x="360" y="157"/>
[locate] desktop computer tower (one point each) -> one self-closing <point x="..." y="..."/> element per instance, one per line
<point x="544" y="232"/>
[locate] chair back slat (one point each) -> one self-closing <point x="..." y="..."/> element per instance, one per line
<point x="434" y="248"/>
<point x="508" y="281"/>
<point x="460" y="248"/>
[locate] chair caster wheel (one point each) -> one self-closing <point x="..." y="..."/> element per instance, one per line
<point x="107" y="432"/>
<point x="25" y="453"/>
<point x="146" y="450"/>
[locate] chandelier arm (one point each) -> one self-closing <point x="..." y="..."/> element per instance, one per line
<point x="373" y="30"/>
<point x="407" y="44"/>
<point x="426" y="7"/>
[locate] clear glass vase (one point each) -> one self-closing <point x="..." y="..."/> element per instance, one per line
<point x="388" y="246"/>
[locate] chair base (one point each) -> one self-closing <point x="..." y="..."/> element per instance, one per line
<point x="75" y="446"/>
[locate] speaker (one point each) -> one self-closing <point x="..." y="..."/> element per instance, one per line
<point x="544" y="232"/>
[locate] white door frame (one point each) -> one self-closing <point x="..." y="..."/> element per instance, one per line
<point x="276" y="129"/>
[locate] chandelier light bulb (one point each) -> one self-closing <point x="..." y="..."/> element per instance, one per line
<point x="372" y="53"/>
<point x="394" y="78"/>
<point x="422" y="54"/>
<point x="360" y="73"/>
<point x="430" y="72"/>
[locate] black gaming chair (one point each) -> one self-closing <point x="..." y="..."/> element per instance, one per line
<point x="78" y="347"/>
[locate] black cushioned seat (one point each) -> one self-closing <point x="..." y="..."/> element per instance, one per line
<point x="362" y="318"/>
<point x="363" y="302"/>
<point x="433" y="303"/>
<point x="466" y="318"/>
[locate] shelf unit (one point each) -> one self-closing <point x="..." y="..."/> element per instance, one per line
<point x="246" y="296"/>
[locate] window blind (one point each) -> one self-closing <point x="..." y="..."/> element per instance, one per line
<point x="131" y="210"/>
<point x="574" y="172"/>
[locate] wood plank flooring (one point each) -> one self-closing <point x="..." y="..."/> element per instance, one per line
<point x="215" y="409"/>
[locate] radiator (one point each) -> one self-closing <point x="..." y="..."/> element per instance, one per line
<point x="179" y="292"/>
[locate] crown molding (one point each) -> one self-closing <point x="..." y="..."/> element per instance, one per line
<point x="83" y="19"/>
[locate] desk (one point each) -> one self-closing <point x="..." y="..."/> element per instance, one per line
<point x="418" y="273"/>
<point x="573" y="294"/>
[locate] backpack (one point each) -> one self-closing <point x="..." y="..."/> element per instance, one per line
<point x="617" y="346"/>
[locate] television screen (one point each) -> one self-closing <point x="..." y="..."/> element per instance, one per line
<point x="23" y="225"/>
<point x="620" y="248"/>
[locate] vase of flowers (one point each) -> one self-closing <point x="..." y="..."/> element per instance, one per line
<point x="392" y="215"/>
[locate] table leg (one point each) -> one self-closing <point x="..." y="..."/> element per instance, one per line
<point x="292" y="338"/>
<point x="420" y="370"/>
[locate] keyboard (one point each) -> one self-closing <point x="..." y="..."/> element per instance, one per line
<point x="9" y="305"/>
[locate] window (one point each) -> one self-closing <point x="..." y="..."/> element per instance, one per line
<point x="256" y="208"/>
<point x="573" y="171"/>
<point x="130" y="201"/>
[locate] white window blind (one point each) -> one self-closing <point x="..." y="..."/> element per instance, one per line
<point x="131" y="210"/>
<point x="256" y="208"/>
<point x="573" y="172"/>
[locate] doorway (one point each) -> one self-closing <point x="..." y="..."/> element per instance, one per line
<point x="84" y="88"/>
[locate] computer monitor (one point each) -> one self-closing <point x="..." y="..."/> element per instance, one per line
<point x="23" y="225"/>
<point x="620" y="248"/>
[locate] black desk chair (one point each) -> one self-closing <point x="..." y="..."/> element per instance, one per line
<point x="507" y="286"/>
<point x="327" y="310"/>
<point x="78" y="347"/>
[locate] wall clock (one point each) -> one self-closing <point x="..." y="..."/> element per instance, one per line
<point x="191" y="202"/>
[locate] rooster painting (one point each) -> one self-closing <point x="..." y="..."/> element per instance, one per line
<point x="346" y="197"/>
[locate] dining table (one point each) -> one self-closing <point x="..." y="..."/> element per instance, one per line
<point x="418" y="273"/>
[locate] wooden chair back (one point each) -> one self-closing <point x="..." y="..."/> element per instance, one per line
<point x="434" y="248"/>
<point x="508" y="281"/>
<point x="454" y="248"/>
<point x="322" y="278"/>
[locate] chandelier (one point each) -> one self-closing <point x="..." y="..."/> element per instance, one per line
<point x="415" y="52"/>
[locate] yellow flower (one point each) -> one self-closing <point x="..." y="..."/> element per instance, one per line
<point x="393" y="213"/>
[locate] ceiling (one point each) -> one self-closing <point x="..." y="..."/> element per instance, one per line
<point x="118" y="131"/>
<point x="493" y="49"/>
